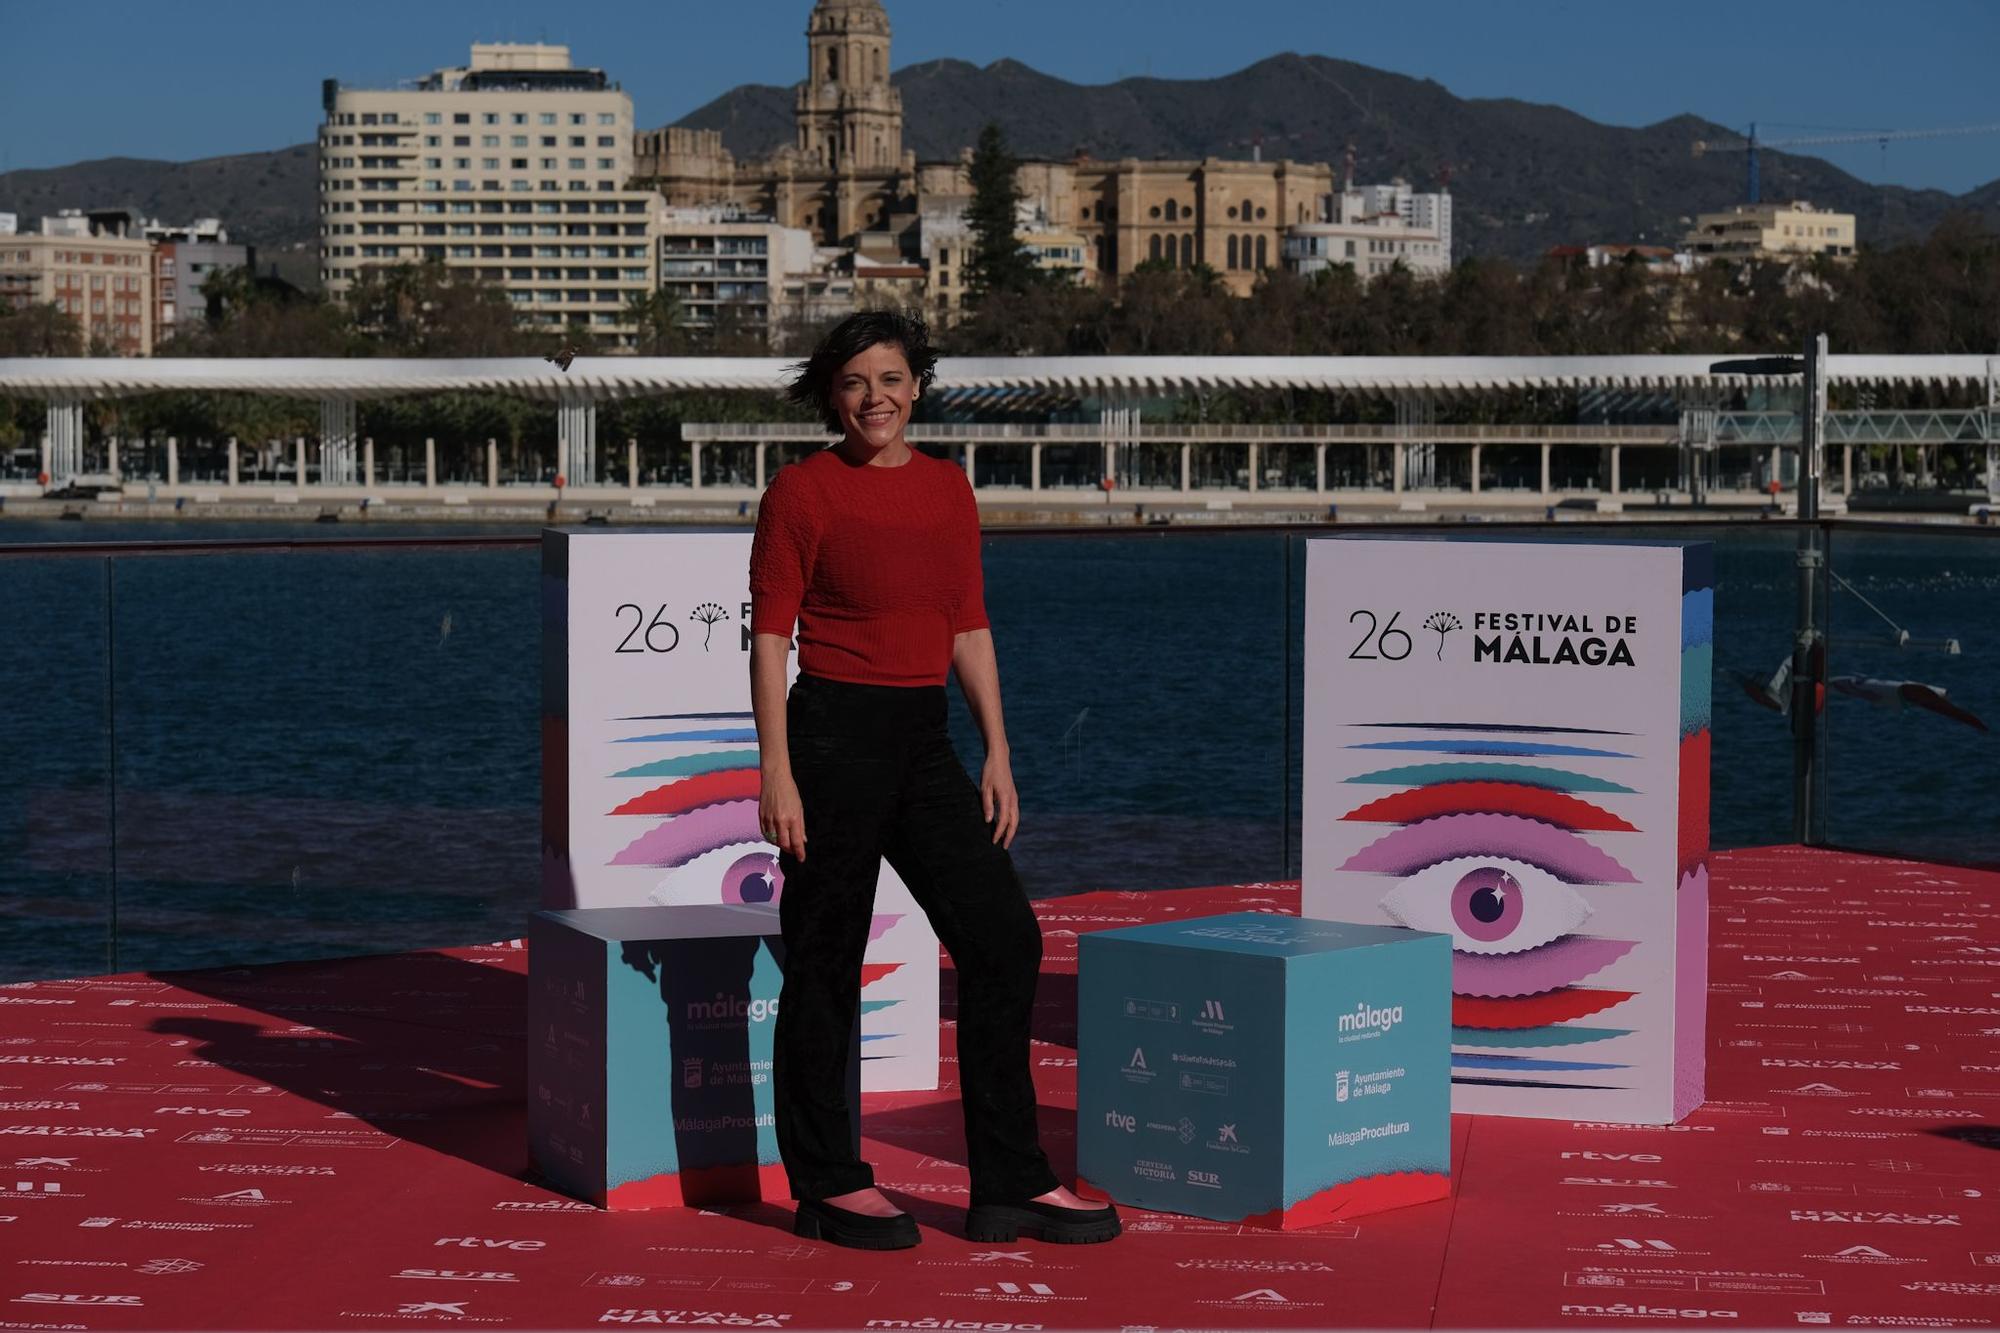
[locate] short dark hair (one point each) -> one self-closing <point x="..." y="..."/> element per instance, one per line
<point x="811" y="385"/>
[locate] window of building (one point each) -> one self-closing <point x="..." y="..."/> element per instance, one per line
<point x="519" y="186"/>
<point x="547" y="118"/>
<point x="577" y="118"/>
<point x="1260" y="217"/>
<point x="517" y="141"/>
<point x="489" y="141"/>
<point x="461" y="187"/>
<point x="432" y="118"/>
<point x="461" y="118"/>
<point x="489" y="164"/>
<point x="1153" y="246"/>
<point x="1261" y="252"/>
<point x="489" y="118"/>
<point x="1350" y="249"/>
<point x="576" y="164"/>
<point x="579" y="140"/>
<point x="607" y="141"/>
<point x="1187" y="250"/>
<point x="368" y="118"/>
<point x="607" y="118"/>
<point x="461" y="164"/>
<point x="1232" y="246"/>
<point x="461" y="141"/>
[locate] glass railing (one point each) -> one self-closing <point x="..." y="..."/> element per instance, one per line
<point x="1912" y="718"/>
<point x="235" y="751"/>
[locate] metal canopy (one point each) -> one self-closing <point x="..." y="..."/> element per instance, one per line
<point x="602" y="379"/>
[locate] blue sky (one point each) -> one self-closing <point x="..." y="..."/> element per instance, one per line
<point x="121" y="78"/>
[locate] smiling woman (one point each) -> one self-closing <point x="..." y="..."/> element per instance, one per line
<point x="871" y="550"/>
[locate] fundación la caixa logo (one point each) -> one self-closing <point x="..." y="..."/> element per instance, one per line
<point x="1534" y="638"/>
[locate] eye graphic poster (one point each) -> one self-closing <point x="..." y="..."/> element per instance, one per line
<point x="650" y="766"/>
<point x="1507" y="742"/>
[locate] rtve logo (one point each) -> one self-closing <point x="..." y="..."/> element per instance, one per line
<point x="481" y="1243"/>
<point x="1116" y="1120"/>
<point x="1652" y="1159"/>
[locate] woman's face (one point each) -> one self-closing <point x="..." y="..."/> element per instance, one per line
<point x="873" y="393"/>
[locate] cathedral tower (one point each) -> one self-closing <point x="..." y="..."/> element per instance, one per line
<point x="849" y="116"/>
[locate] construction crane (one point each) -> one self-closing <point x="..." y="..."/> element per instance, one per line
<point x="1751" y="143"/>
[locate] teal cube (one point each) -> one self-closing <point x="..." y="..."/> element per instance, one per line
<point x="649" y="1054"/>
<point x="1273" y="1070"/>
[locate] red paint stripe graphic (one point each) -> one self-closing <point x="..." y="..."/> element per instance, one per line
<point x="874" y="972"/>
<point x="1501" y="798"/>
<point x="1533" y="1011"/>
<point x="727" y="784"/>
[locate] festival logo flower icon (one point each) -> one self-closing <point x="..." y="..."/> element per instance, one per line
<point x="1442" y="623"/>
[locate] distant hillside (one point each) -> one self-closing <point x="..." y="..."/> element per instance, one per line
<point x="269" y="200"/>
<point x="1525" y="176"/>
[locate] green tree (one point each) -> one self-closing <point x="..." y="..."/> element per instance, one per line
<point x="249" y="317"/>
<point x="39" y="330"/>
<point x="655" y="317"/>
<point x="430" y="310"/>
<point x="1000" y="263"/>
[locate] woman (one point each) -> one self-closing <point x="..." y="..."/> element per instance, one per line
<point x="872" y="549"/>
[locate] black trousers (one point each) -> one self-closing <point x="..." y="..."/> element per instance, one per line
<point x="878" y="779"/>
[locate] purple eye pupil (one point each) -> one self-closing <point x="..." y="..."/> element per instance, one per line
<point x="1486" y="904"/>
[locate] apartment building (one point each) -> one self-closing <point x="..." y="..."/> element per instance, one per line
<point x="513" y="168"/>
<point x="95" y="267"/>
<point x="184" y="258"/>
<point x="1371" y="229"/>
<point x="1771" y="231"/>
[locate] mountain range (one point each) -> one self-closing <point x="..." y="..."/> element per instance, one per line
<point x="1524" y="176"/>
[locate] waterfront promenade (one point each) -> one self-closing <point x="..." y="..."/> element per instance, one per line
<point x="1046" y="438"/>
<point x="340" y="1144"/>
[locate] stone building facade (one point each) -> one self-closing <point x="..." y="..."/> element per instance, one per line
<point x="847" y="178"/>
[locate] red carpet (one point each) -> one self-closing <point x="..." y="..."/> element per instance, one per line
<point x="340" y="1145"/>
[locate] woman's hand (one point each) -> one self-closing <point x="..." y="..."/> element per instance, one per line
<point x="998" y="799"/>
<point x="782" y="816"/>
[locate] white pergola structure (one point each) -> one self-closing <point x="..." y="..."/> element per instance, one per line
<point x="1415" y="384"/>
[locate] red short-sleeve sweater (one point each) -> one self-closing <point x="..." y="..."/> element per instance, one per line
<point x="878" y="567"/>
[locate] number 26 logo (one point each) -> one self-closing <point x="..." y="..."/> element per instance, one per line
<point x="1390" y="644"/>
<point x="647" y="632"/>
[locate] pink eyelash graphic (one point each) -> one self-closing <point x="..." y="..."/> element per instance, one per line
<point x="1563" y="962"/>
<point x="1430" y="841"/>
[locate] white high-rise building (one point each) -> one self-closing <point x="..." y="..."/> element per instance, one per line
<point x="1373" y="228"/>
<point x="513" y="167"/>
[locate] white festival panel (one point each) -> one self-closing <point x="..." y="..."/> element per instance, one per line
<point x="649" y="763"/>
<point x="1508" y="743"/>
